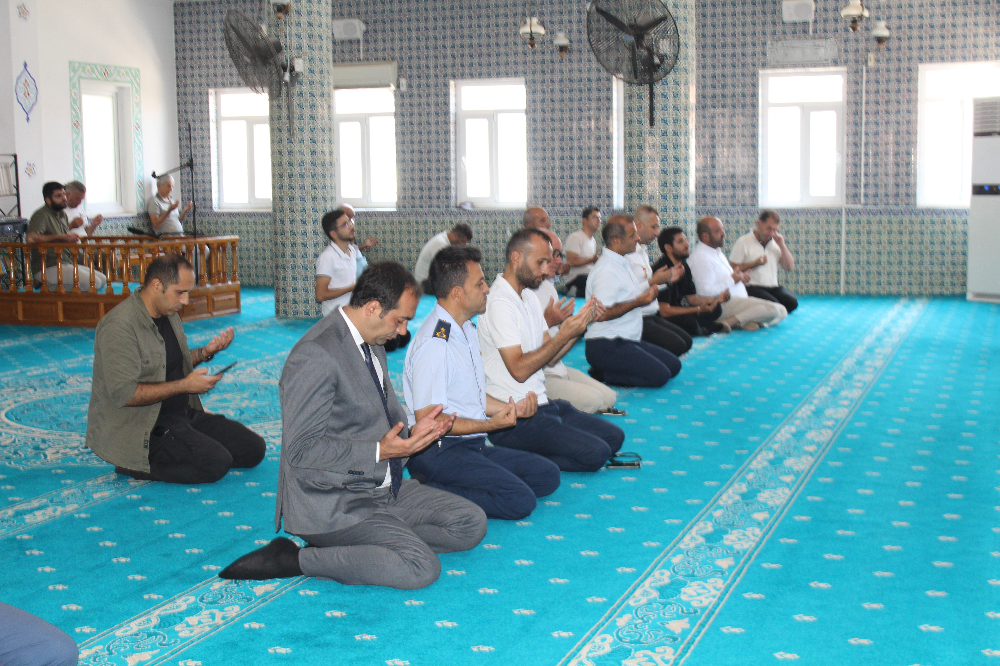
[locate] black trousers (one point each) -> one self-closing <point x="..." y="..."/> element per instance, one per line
<point x="580" y="282"/>
<point x="662" y="333"/>
<point x="774" y="294"/>
<point x="698" y="324"/>
<point x="631" y="362"/>
<point x="196" y="447"/>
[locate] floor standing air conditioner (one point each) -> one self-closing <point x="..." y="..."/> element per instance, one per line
<point x="984" y="212"/>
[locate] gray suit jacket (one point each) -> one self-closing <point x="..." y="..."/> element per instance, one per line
<point x="332" y="419"/>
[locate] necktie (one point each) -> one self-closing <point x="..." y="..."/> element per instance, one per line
<point x="395" y="466"/>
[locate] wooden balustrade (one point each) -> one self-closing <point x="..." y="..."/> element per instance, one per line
<point x="123" y="261"/>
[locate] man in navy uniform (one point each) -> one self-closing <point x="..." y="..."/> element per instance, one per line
<point x="444" y="366"/>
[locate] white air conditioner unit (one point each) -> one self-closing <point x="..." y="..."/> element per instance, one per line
<point x="798" y="11"/>
<point x="983" y="278"/>
<point x="365" y="75"/>
<point x="348" y="29"/>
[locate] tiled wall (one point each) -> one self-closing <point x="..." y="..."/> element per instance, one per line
<point x="888" y="239"/>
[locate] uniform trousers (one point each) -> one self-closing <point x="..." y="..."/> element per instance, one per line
<point x="396" y="545"/>
<point x="502" y="482"/>
<point x="775" y="294"/>
<point x="749" y="309"/>
<point x="197" y="447"/>
<point x="698" y="324"/>
<point x="29" y="640"/>
<point x="632" y="362"/>
<point x="574" y="441"/>
<point x="580" y="390"/>
<point x="662" y="333"/>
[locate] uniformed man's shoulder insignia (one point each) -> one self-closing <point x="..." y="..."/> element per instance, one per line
<point x="442" y="329"/>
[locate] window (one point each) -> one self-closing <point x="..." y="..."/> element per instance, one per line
<point x="944" y="129"/>
<point x="365" y="121"/>
<point x="105" y="110"/>
<point x="491" y="157"/>
<point x="241" y="141"/>
<point x="801" y="146"/>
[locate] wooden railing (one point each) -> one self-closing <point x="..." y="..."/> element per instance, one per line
<point x="123" y="260"/>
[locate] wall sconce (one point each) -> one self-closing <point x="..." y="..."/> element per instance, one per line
<point x="562" y="41"/>
<point x="854" y="12"/>
<point x="880" y="33"/>
<point x="532" y="28"/>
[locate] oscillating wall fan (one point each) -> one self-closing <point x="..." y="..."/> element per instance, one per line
<point x="636" y="40"/>
<point x="257" y="57"/>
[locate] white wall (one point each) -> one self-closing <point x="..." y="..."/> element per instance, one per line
<point x="129" y="33"/>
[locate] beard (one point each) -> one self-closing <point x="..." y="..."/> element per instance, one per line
<point x="527" y="278"/>
<point x="57" y="207"/>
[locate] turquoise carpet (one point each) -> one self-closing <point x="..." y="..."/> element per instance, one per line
<point x="824" y="492"/>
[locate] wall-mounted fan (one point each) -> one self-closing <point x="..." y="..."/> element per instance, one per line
<point x="636" y="40"/>
<point x="257" y="57"/>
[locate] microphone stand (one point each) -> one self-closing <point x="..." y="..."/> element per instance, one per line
<point x="189" y="164"/>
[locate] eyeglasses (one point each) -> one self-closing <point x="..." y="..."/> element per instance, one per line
<point x="557" y="254"/>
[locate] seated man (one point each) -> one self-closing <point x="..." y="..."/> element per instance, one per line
<point x="344" y="443"/>
<point x="536" y="217"/>
<point x="516" y="345"/>
<point x="337" y="265"/>
<point x="581" y="251"/>
<point x="656" y="329"/>
<point x="145" y="416"/>
<point x="761" y="252"/>
<point x="79" y="223"/>
<point x="49" y="224"/>
<point x="460" y="234"/>
<point x="444" y="366"/>
<point x="561" y="382"/>
<point x="615" y="349"/>
<point x="162" y="209"/>
<point x="679" y="302"/>
<point x="715" y="277"/>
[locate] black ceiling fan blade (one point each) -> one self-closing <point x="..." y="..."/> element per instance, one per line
<point x="635" y="59"/>
<point x="648" y="27"/>
<point x="613" y="20"/>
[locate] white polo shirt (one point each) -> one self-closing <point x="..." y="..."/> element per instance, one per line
<point x="612" y="281"/>
<point x="547" y="291"/>
<point x="583" y="246"/>
<point x="638" y="261"/>
<point x="747" y="248"/>
<point x="511" y="319"/>
<point x="341" y="267"/>
<point x="427" y="253"/>
<point x="712" y="273"/>
<point x="72" y="214"/>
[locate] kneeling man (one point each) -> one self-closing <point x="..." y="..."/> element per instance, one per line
<point x="145" y="416"/>
<point x="615" y="349"/>
<point x="344" y="443"/>
<point x="445" y="367"/>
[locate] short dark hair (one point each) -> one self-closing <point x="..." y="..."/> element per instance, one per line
<point x="590" y="210"/>
<point x="385" y="282"/>
<point x="463" y="229"/>
<point x="614" y="227"/>
<point x="449" y="268"/>
<point x="521" y="239"/>
<point x="166" y="268"/>
<point x="768" y="213"/>
<point x="329" y="220"/>
<point x="50" y="187"/>
<point x="667" y="237"/>
<point x="702" y="227"/>
<point x="643" y="211"/>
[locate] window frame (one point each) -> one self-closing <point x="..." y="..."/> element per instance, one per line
<point x="365" y="202"/>
<point x="492" y="118"/>
<point x="806" y="200"/>
<point x="123" y="174"/>
<point x="253" y="203"/>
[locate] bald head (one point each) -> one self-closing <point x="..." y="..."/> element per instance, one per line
<point x="711" y="232"/>
<point x="536" y="217"/>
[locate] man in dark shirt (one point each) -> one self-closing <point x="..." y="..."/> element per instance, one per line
<point x="145" y="416"/>
<point x="679" y="302"/>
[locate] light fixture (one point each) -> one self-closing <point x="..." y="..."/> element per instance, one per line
<point x="854" y="12"/>
<point x="880" y="33"/>
<point x="562" y="41"/>
<point x="531" y="29"/>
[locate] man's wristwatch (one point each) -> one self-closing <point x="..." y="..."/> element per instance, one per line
<point x="205" y="357"/>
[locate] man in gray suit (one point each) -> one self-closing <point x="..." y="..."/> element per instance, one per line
<point x="344" y="442"/>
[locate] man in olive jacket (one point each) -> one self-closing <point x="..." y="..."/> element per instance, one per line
<point x="145" y="416"/>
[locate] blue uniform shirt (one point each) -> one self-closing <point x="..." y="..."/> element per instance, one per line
<point x="444" y="366"/>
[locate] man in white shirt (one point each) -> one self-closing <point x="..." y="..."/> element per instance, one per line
<point x="162" y="209"/>
<point x="76" y="212"/>
<point x="615" y="349"/>
<point x="371" y="241"/>
<point x="561" y="382"/>
<point x="581" y="251"/>
<point x="337" y="265"/>
<point x="714" y="276"/>
<point x="516" y="345"/>
<point x="460" y="234"/>
<point x="656" y="329"/>
<point x="761" y="252"/>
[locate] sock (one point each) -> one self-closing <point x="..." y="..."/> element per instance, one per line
<point x="278" y="559"/>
